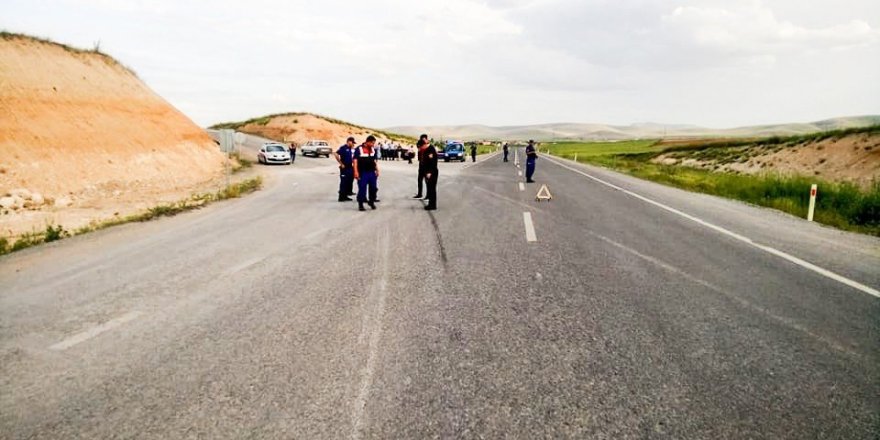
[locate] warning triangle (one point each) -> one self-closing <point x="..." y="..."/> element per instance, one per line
<point x="543" y="194"/>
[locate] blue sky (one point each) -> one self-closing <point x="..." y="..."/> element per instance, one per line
<point x="498" y="62"/>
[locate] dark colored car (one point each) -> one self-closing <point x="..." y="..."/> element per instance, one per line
<point x="453" y="151"/>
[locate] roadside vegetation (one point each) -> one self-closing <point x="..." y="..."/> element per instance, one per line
<point x="842" y="205"/>
<point x="57" y="232"/>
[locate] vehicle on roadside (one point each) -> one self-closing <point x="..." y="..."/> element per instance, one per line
<point x="316" y="148"/>
<point x="454" y="151"/>
<point x="273" y="152"/>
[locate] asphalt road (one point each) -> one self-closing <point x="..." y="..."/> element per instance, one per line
<point x="653" y="313"/>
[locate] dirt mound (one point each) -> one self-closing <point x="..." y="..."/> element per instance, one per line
<point x="89" y="138"/>
<point x="302" y="127"/>
<point x="852" y="157"/>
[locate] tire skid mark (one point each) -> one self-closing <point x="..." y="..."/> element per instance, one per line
<point x="371" y="332"/>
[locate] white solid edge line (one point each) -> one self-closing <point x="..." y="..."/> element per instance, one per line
<point x="522" y="186"/>
<point x="94" y="331"/>
<point x="805" y="264"/>
<point x="530" y="227"/>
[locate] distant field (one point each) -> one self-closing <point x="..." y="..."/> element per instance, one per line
<point x="587" y="149"/>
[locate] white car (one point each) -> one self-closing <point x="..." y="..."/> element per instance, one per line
<point x="273" y="152"/>
<point x="316" y="148"/>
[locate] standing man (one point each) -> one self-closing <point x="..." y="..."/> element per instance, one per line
<point x="429" y="159"/>
<point x="292" y="150"/>
<point x="505" y="151"/>
<point x="473" y="151"/>
<point x="366" y="171"/>
<point x="531" y="156"/>
<point x="343" y="156"/>
<point x="422" y="144"/>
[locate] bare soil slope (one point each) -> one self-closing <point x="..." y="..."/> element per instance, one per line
<point x="302" y="127"/>
<point x="851" y="158"/>
<point x="83" y="139"/>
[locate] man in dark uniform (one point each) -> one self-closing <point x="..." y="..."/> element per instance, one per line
<point x="292" y="151"/>
<point x="429" y="159"/>
<point x="473" y="151"/>
<point x="421" y="145"/>
<point x="531" y="156"/>
<point x="505" y="151"/>
<point x="343" y="156"/>
<point x="366" y="171"/>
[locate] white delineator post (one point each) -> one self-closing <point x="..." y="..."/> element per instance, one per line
<point x="575" y="157"/>
<point x="812" y="202"/>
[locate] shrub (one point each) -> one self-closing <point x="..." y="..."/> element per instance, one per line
<point x="54" y="233"/>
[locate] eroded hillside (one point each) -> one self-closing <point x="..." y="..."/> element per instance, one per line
<point x="848" y="156"/>
<point x="82" y="138"/>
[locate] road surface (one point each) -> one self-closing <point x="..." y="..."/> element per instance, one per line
<point x="620" y="309"/>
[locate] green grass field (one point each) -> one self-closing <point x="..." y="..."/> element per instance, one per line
<point x="841" y="205"/>
<point x="590" y="149"/>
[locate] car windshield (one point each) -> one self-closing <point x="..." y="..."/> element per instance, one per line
<point x="271" y="148"/>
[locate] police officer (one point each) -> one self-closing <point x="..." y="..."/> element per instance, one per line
<point x="366" y="171"/>
<point x="531" y="156"/>
<point x="429" y="159"/>
<point x="473" y="152"/>
<point x="421" y="145"/>
<point x="505" y="151"/>
<point x="343" y="156"/>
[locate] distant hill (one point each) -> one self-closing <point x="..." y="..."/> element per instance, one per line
<point x="300" y="127"/>
<point x="576" y="131"/>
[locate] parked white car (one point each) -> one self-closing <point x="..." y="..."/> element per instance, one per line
<point x="273" y="152"/>
<point x="316" y="148"/>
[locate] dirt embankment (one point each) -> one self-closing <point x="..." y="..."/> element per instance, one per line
<point x="853" y="158"/>
<point x="302" y="127"/>
<point x="82" y="139"/>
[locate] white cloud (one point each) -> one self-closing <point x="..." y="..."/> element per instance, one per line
<point x="391" y="62"/>
<point x="752" y="28"/>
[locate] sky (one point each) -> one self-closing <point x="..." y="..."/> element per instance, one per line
<point x="385" y="63"/>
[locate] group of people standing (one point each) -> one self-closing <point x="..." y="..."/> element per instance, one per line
<point x="391" y="151"/>
<point x="361" y="164"/>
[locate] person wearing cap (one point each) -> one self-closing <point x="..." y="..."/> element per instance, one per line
<point x="422" y="144"/>
<point x="531" y="156"/>
<point x="429" y="161"/>
<point x="343" y="156"/>
<point x="366" y="171"/>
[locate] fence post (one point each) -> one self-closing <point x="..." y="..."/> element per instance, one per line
<point x="812" y="202"/>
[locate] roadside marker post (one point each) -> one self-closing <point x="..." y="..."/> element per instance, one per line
<point x="575" y="157"/>
<point x="543" y="194"/>
<point x="813" y="189"/>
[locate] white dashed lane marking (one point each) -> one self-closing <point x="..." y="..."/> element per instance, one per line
<point x="530" y="227"/>
<point x="94" y="331"/>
